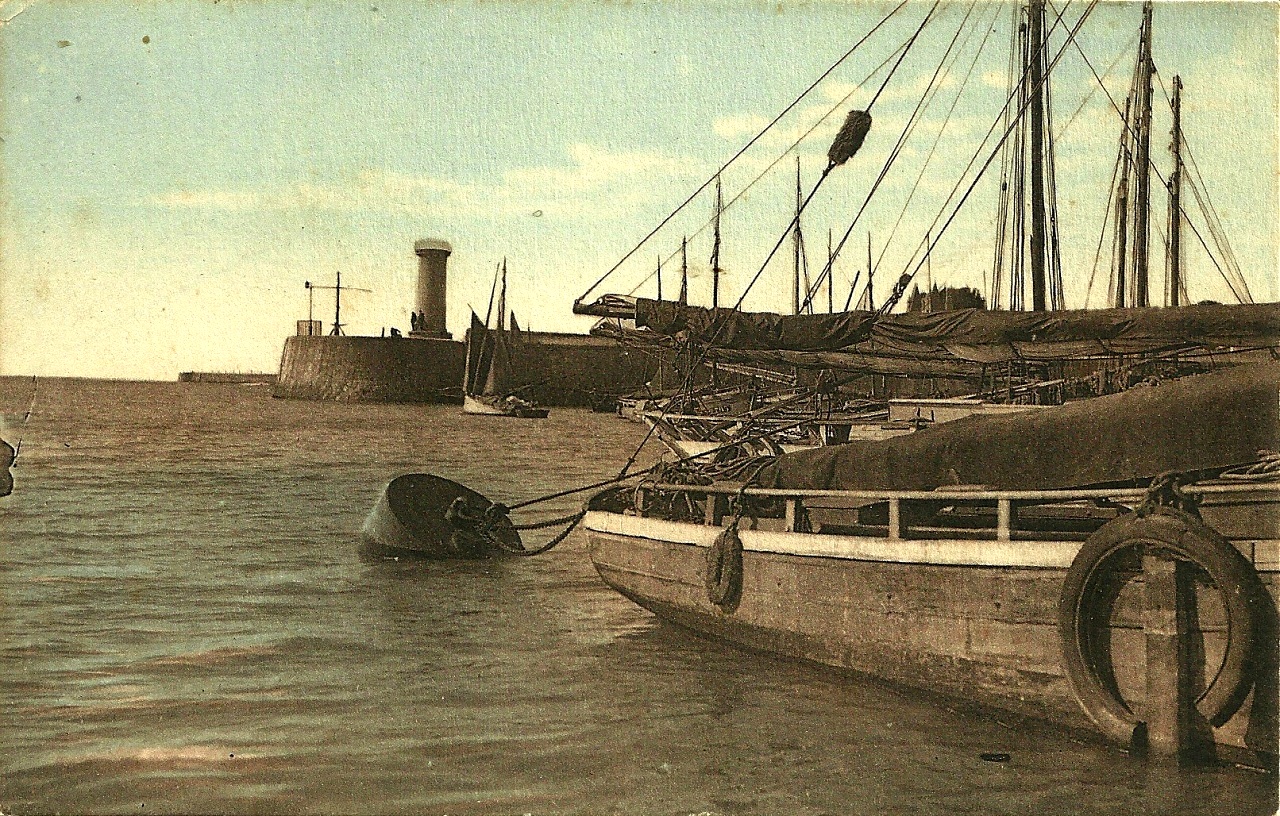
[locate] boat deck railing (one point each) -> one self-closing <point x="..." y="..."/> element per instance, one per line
<point x="1006" y="503"/>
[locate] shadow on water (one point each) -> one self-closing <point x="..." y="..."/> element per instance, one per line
<point x="740" y="715"/>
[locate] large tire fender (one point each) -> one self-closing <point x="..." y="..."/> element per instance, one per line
<point x="1084" y="600"/>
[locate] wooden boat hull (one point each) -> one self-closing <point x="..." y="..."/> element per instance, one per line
<point x="975" y="620"/>
<point x="409" y="520"/>
<point x="481" y="407"/>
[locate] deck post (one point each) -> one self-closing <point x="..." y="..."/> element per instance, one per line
<point x="1004" y="519"/>
<point x="895" y="518"/>
<point x="717" y="506"/>
<point x="1166" y="624"/>
<point x="791" y="505"/>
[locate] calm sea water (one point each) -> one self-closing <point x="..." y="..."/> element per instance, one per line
<point x="188" y="626"/>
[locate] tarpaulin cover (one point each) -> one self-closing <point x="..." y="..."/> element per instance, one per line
<point x="1206" y="421"/>
<point x="921" y="365"/>
<point x="978" y="335"/>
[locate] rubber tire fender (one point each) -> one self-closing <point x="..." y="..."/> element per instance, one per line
<point x="1190" y="539"/>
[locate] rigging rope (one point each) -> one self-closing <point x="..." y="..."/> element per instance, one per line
<point x="907" y="277"/>
<point x="790" y="149"/>
<point x="1019" y="92"/>
<point x="1106" y="218"/>
<point x="907" y="130"/>
<point x="1245" y="296"/>
<point x="744" y="148"/>
<point x="1212" y="220"/>
<point x="832" y="165"/>
<point x="1003" y="212"/>
<point x="937" y="139"/>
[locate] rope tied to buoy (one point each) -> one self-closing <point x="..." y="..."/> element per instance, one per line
<point x="486" y="524"/>
<point x="470" y="521"/>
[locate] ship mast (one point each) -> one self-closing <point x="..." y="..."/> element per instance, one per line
<point x="1175" y="200"/>
<point x="715" y="250"/>
<point x="684" y="271"/>
<point x="1122" y="210"/>
<point x="337" y="307"/>
<point x="1026" y="231"/>
<point x="796" y="243"/>
<point x="1036" y="53"/>
<point x="1142" y="201"/>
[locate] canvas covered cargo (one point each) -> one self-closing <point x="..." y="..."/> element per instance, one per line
<point x="975" y="335"/>
<point x="1204" y="422"/>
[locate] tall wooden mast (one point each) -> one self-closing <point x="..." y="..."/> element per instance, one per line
<point x="1142" y="197"/>
<point x="684" y="271"/>
<point x="715" y="250"/>
<point x="337" y="307"/>
<point x="1175" y="200"/>
<point x="1122" y="210"/>
<point x="796" y="245"/>
<point x="1036" y="52"/>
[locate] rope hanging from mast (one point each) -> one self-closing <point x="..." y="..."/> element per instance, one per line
<point x="851" y="123"/>
<point x="928" y="245"/>
<point x="745" y="147"/>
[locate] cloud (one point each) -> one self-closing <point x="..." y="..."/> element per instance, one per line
<point x="593" y="178"/>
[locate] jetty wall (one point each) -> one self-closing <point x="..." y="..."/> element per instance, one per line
<point x="226" y="377"/>
<point x="578" y="370"/>
<point x="563" y="370"/>
<point x="371" y="369"/>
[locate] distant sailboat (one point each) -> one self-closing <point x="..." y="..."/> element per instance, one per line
<point x="487" y="383"/>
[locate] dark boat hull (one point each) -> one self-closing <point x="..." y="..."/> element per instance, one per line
<point x="409" y="519"/>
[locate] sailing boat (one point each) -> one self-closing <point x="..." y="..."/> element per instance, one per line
<point x="1107" y="563"/>
<point x="487" y="387"/>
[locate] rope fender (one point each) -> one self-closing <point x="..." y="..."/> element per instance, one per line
<point x="723" y="574"/>
<point x="1089" y="593"/>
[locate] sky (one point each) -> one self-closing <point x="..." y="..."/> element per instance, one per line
<point x="174" y="172"/>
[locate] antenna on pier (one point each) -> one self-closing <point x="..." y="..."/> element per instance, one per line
<point x="338" y="289"/>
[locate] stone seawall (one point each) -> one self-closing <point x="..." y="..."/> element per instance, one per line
<point x="582" y="374"/>
<point x="371" y="369"/>
<point x="555" y="370"/>
<point x="226" y="377"/>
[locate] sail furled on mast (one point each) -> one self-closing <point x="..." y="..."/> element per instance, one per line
<point x="976" y="335"/>
<point x="850" y="138"/>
